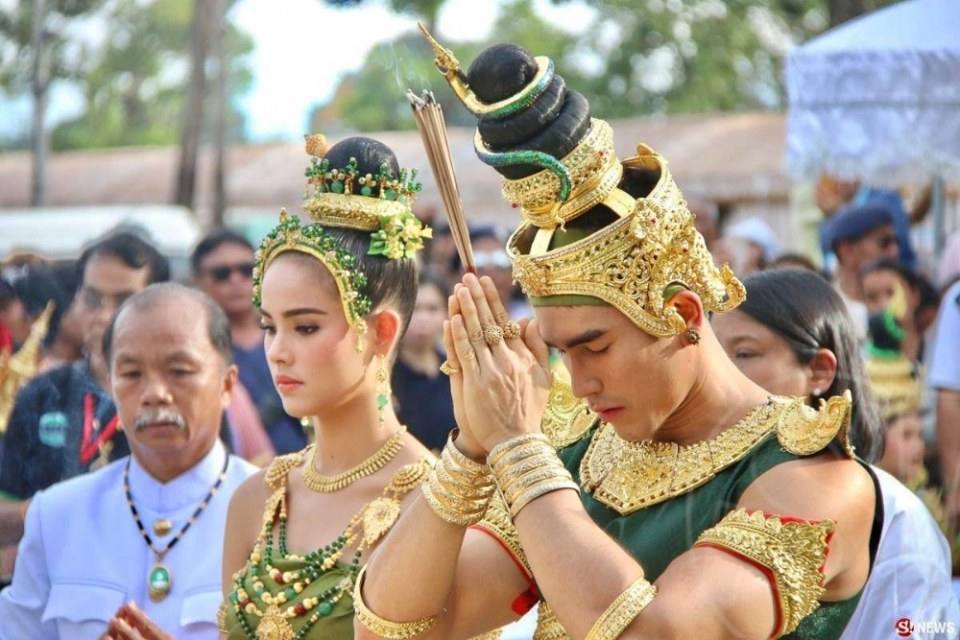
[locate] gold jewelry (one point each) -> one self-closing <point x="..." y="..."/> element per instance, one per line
<point x="792" y="552"/>
<point x="314" y="241"/>
<point x="288" y="600"/>
<point x="492" y="335"/>
<point x="664" y="247"/>
<point x="448" y="369"/>
<point x="162" y="526"/>
<point x="623" y="611"/>
<point x="386" y="628"/>
<point x="16" y="369"/>
<point x="527" y="467"/>
<point x="383" y="389"/>
<point x="511" y="330"/>
<point x="693" y="336"/>
<point x="458" y="489"/>
<point x="477" y="336"/>
<point x="159" y="578"/>
<point x="380" y="458"/>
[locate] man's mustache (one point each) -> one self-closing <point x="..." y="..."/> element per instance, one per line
<point x="159" y="416"/>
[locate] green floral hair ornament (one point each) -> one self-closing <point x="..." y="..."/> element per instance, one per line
<point x="315" y="241"/>
<point x="399" y="236"/>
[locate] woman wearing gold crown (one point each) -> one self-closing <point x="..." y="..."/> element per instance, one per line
<point x="335" y="296"/>
<point x="675" y="498"/>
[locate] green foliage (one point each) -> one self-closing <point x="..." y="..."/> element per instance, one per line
<point x="637" y="57"/>
<point x="374" y="98"/>
<point x="135" y="87"/>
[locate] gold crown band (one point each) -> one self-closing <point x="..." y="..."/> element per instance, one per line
<point x="352" y="211"/>
<point x="631" y="262"/>
<point x="540" y="191"/>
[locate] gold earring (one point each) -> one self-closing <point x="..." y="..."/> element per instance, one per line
<point x="693" y="336"/>
<point x="383" y="389"/>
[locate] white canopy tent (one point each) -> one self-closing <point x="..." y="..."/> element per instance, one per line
<point x="878" y="98"/>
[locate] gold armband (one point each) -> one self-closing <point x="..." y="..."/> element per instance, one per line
<point x="527" y="467"/>
<point x="458" y="489"/>
<point x="790" y="552"/>
<point x="385" y="628"/>
<point x="623" y="611"/>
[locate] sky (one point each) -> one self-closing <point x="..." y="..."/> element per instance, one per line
<point x="301" y="50"/>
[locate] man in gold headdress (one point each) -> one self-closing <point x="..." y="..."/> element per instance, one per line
<point x="661" y="494"/>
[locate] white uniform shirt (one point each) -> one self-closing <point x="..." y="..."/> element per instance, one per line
<point x="911" y="573"/>
<point x="945" y="361"/>
<point x="82" y="555"/>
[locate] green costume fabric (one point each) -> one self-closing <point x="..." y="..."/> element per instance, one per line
<point x="338" y="625"/>
<point x="659" y="533"/>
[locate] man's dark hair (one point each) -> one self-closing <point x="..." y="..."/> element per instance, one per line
<point x="218" y="325"/>
<point x="131" y="250"/>
<point x="212" y="241"/>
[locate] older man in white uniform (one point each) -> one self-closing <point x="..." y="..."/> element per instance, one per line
<point x="147" y="528"/>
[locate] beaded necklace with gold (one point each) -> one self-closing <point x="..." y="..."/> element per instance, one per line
<point x="159" y="579"/>
<point x="329" y="484"/>
<point x="363" y="530"/>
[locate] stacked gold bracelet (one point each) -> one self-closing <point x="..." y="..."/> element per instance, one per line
<point x="385" y="628"/>
<point x="623" y="611"/>
<point x="458" y="489"/>
<point x="527" y="467"/>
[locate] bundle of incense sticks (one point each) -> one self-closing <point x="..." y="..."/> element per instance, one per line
<point x="433" y="131"/>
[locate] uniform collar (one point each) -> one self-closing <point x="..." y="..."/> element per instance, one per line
<point x="189" y="488"/>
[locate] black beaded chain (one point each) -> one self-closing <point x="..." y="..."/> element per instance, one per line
<point x="196" y="514"/>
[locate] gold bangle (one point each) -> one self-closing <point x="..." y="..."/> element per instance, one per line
<point x="385" y="628"/>
<point x="458" y="489"/>
<point x="539" y="490"/>
<point x="527" y="467"/>
<point x="623" y="611"/>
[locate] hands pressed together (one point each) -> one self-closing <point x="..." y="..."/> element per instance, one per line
<point x="498" y="368"/>
<point x="131" y="623"/>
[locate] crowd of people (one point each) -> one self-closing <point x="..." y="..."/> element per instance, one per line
<point x="256" y="450"/>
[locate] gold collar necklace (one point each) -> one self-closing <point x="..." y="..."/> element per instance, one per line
<point x="315" y="481"/>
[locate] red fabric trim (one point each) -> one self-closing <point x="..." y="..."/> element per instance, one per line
<point x="526" y="600"/>
<point x="778" y="612"/>
<point x="89" y="446"/>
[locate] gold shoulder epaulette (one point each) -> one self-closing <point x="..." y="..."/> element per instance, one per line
<point x="276" y="475"/>
<point x="567" y="418"/>
<point x="805" y="431"/>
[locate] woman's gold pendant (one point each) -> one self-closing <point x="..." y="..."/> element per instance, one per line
<point x="378" y="517"/>
<point x="274" y="626"/>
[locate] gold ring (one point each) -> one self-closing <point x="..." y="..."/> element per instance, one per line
<point x="448" y="369"/>
<point x="502" y="318"/>
<point x="511" y="330"/>
<point x="477" y="336"/>
<point x="492" y="335"/>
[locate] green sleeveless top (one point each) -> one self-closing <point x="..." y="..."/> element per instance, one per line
<point x="280" y="595"/>
<point x="656" y="534"/>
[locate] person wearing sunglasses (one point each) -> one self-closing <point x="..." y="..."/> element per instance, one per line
<point x="222" y="264"/>
<point x="859" y="235"/>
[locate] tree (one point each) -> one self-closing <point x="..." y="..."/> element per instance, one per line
<point x="38" y="58"/>
<point x="203" y="25"/>
<point x="637" y="57"/>
<point x="134" y="86"/>
<point x="373" y="98"/>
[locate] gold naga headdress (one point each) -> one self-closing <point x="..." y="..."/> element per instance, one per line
<point x="345" y="197"/>
<point x="16" y="369"/>
<point x="636" y="251"/>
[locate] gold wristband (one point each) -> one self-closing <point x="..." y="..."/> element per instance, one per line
<point x="458" y="489"/>
<point x="385" y="628"/>
<point x="527" y="467"/>
<point x="623" y="611"/>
